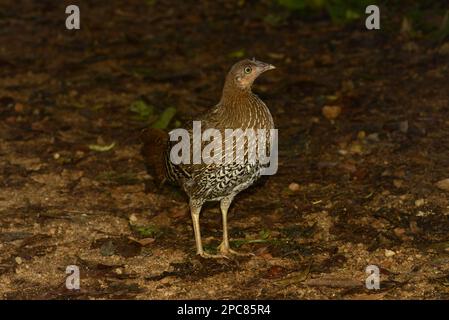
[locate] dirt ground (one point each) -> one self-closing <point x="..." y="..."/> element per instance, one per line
<point x="361" y="189"/>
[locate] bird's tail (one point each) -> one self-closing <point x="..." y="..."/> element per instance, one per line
<point x="154" y="149"/>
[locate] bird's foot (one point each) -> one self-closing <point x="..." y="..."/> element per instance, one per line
<point x="213" y="256"/>
<point x="226" y="251"/>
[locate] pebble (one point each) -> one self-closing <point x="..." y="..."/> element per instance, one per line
<point x="443" y="184"/>
<point x="389" y="253"/>
<point x="374" y="137"/>
<point x="133" y="218"/>
<point x="294" y="187"/>
<point x="422" y="214"/>
<point x="18" y="107"/>
<point x="331" y="112"/>
<point x="18" y="260"/>
<point x="356" y="148"/>
<point x="403" y="126"/>
<point x="419" y="202"/>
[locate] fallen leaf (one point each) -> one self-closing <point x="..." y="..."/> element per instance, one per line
<point x="101" y="148"/>
<point x="143" y="242"/>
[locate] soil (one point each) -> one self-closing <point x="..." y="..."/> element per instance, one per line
<point x="356" y="185"/>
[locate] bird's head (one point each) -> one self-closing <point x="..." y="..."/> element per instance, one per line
<point x="243" y="73"/>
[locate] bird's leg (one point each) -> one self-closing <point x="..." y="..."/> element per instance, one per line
<point x="224" y="206"/>
<point x="224" y="247"/>
<point x="195" y="212"/>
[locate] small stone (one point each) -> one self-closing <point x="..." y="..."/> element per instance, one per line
<point x="18" y="260"/>
<point x="294" y="187"/>
<point x="389" y="253"/>
<point x="56" y="156"/>
<point x="443" y="184"/>
<point x="118" y="271"/>
<point x="373" y="137"/>
<point x="422" y="214"/>
<point x="331" y="112"/>
<point x="356" y="148"/>
<point x="403" y="126"/>
<point x="419" y="202"/>
<point x="18" y="107"/>
<point x="133" y="218"/>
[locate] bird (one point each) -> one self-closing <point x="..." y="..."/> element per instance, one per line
<point x="238" y="108"/>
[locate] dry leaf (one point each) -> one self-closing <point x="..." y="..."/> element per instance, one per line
<point x="143" y="242"/>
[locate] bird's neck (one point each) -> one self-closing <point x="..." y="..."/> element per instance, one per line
<point x="235" y="98"/>
<point x="242" y="108"/>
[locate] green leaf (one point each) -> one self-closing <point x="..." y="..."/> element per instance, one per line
<point x="164" y="119"/>
<point x="237" y="54"/>
<point x="264" y="234"/>
<point x="149" y="231"/>
<point x="141" y="110"/>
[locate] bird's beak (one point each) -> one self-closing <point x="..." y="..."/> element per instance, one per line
<point x="269" y="67"/>
<point x="262" y="66"/>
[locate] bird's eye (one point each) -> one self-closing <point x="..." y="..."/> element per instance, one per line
<point x="248" y="70"/>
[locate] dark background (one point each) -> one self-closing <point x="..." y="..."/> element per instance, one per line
<point x="363" y="124"/>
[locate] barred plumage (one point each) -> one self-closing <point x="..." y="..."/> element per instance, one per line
<point x="238" y="108"/>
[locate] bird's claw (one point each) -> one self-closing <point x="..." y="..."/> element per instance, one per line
<point x="226" y="251"/>
<point x="213" y="256"/>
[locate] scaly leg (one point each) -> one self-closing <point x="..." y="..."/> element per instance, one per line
<point x="224" y="247"/>
<point x="195" y="212"/>
<point x="224" y="206"/>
